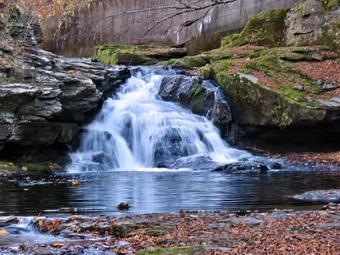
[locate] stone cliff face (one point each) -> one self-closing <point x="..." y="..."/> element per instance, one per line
<point x="312" y="22"/>
<point x="149" y="22"/>
<point x="50" y="107"/>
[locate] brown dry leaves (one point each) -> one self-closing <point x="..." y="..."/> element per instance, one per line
<point x="321" y="159"/>
<point x="298" y="233"/>
<point x="330" y="159"/>
<point x="328" y="69"/>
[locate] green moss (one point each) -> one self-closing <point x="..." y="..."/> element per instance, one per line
<point x="123" y="206"/>
<point x="37" y="168"/>
<point x="284" y="101"/>
<point x="331" y="35"/>
<point x="223" y="65"/>
<point x="168" y="62"/>
<point x="329" y="3"/>
<point x="122" y="54"/>
<point x="206" y="71"/>
<point x="7" y="166"/>
<point x="171" y="251"/>
<point x="156" y="231"/>
<point x="197" y="100"/>
<point x="197" y="61"/>
<point x="188" y="62"/>
<point x="281" y="116"/>
<point x="135" y="55"/>
<point x="229" y="39"/>
<point x="197" y="89"/>
<point x="264" y="28"/>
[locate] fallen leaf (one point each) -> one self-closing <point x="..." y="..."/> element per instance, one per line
<point x="4" y="232"/>
<point x="57" y="245"/>
<point x="181" y="213"/>
<point x="75" y="183"/>
<point x="24" y="168"/>
<point x="302" y="246"/>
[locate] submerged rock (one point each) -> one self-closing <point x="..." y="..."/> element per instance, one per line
<point x="257" y="164"/>
<point x="332" y="195"/>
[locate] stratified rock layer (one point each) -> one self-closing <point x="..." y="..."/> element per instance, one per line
<point x="50" y="107"/>
<point x="45" y="98"/>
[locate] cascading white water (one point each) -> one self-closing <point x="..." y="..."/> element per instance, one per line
<point x="138" y="130"/>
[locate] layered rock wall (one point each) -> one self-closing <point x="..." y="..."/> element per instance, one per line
<point x="148" y="22"/>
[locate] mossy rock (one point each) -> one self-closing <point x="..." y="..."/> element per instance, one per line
<point x="267" y="90"/>
<point x="266" y="28"/>
<point x="37" y="168"/>
<point x="327" y="4"/>
<point x="173" y="251"/>
<point x="188" y="62"/>
<point x="8" y="167"/>
<point x="135" y="55"/>
<point x="156" y="231"/>
<point x="331" y="35"/>
<point x="230" y="39"/>
<point x="259" y="105"/>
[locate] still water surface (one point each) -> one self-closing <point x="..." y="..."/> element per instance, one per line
<point x="157" y="191"/>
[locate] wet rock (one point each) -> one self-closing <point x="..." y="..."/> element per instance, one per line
<point x="49" y="109"/>
<point x="4" y="222"/>
<point x="201" y="97"/>
<point x="45" y="99"/>
<point x="320" y="195"/>
<point x="251" y="222"/>
<point x="196" y="163"/>
<point x="257" y="164"/>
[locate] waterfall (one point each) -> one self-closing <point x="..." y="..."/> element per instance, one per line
<point x="136" y="129"/>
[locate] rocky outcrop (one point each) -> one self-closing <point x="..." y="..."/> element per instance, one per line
<point x="136" y="55"/>
<point x="312" y="22"/>
<point x="149" y="22"/>
<point x="45" y="99"/>
<point x="279" y="95"/>
<point x="201" y="97"/>
<point x="51" y="107"/>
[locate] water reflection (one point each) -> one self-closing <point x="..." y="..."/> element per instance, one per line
<point x="150" y="192"/>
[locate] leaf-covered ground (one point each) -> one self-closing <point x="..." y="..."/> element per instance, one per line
<point x="315" y="160"/>
<point x="279" y="232"/>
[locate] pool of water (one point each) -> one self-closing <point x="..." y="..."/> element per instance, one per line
<point x="161" y="191"/>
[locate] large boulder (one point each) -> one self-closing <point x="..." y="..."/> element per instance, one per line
<point x="201" y="97"/>
<point x="280" y="93"/>
<point x="45" y="99"/>
<point x="286" y="95"/>
<point x="136" y="55"/>
<point x="49" y="107"/>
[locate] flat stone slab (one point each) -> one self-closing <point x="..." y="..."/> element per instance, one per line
<point x="332" y="195"/>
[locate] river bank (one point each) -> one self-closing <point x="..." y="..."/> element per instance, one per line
<point x="278" y="232"/>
